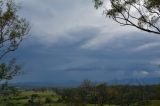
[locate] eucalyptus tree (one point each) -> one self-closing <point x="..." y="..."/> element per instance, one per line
<point x="142" y="14"/>
<point x="9" y="71"/>
<point x="13" y="30"/>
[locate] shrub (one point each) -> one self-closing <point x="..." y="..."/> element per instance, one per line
<point x="48" y="100"/>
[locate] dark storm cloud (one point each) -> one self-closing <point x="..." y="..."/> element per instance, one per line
<point x="68" y="61"/>
<point x="70" y="41"/>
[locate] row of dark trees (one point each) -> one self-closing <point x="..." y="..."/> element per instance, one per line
<point x="101" y="94"/>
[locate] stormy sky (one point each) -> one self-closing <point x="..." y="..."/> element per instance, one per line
<point x="70" y="40"/>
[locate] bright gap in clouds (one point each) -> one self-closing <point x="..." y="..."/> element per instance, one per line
<point x="51" y="20"/>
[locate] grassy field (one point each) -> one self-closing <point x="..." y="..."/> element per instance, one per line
<point x="23" y="97"/>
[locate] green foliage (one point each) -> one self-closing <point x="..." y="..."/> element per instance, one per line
<point x="101" y="94"/>
<point x="98" y="3"/>
<point x="6" y="90"/>
<point x="142" y="14"/>
<point x="48" y="100"/>
<point x="10" y="70"/>
<point x="152" y="4"/>
<point x="72" y="97"/>
<point x="121" y="95"/>
<point x="10" y="104"/>
<point x="12" y="27"/>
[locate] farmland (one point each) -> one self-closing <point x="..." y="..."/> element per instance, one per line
<point x="86" y="94"/>
<point x="23" y="98"/>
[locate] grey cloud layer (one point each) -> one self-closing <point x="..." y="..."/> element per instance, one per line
<point x="68" y="61"/>
<point x="72" y="41"/>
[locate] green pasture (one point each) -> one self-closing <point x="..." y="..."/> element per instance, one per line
<point x="24" y="96"/>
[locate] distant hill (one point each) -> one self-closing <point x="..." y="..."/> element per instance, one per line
<point x="45" y="84"/>
<point x="142" y="81"/>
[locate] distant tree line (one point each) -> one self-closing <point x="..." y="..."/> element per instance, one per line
<point x="101" y="94"/>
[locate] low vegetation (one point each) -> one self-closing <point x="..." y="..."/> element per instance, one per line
<point x="87" y="94"/>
